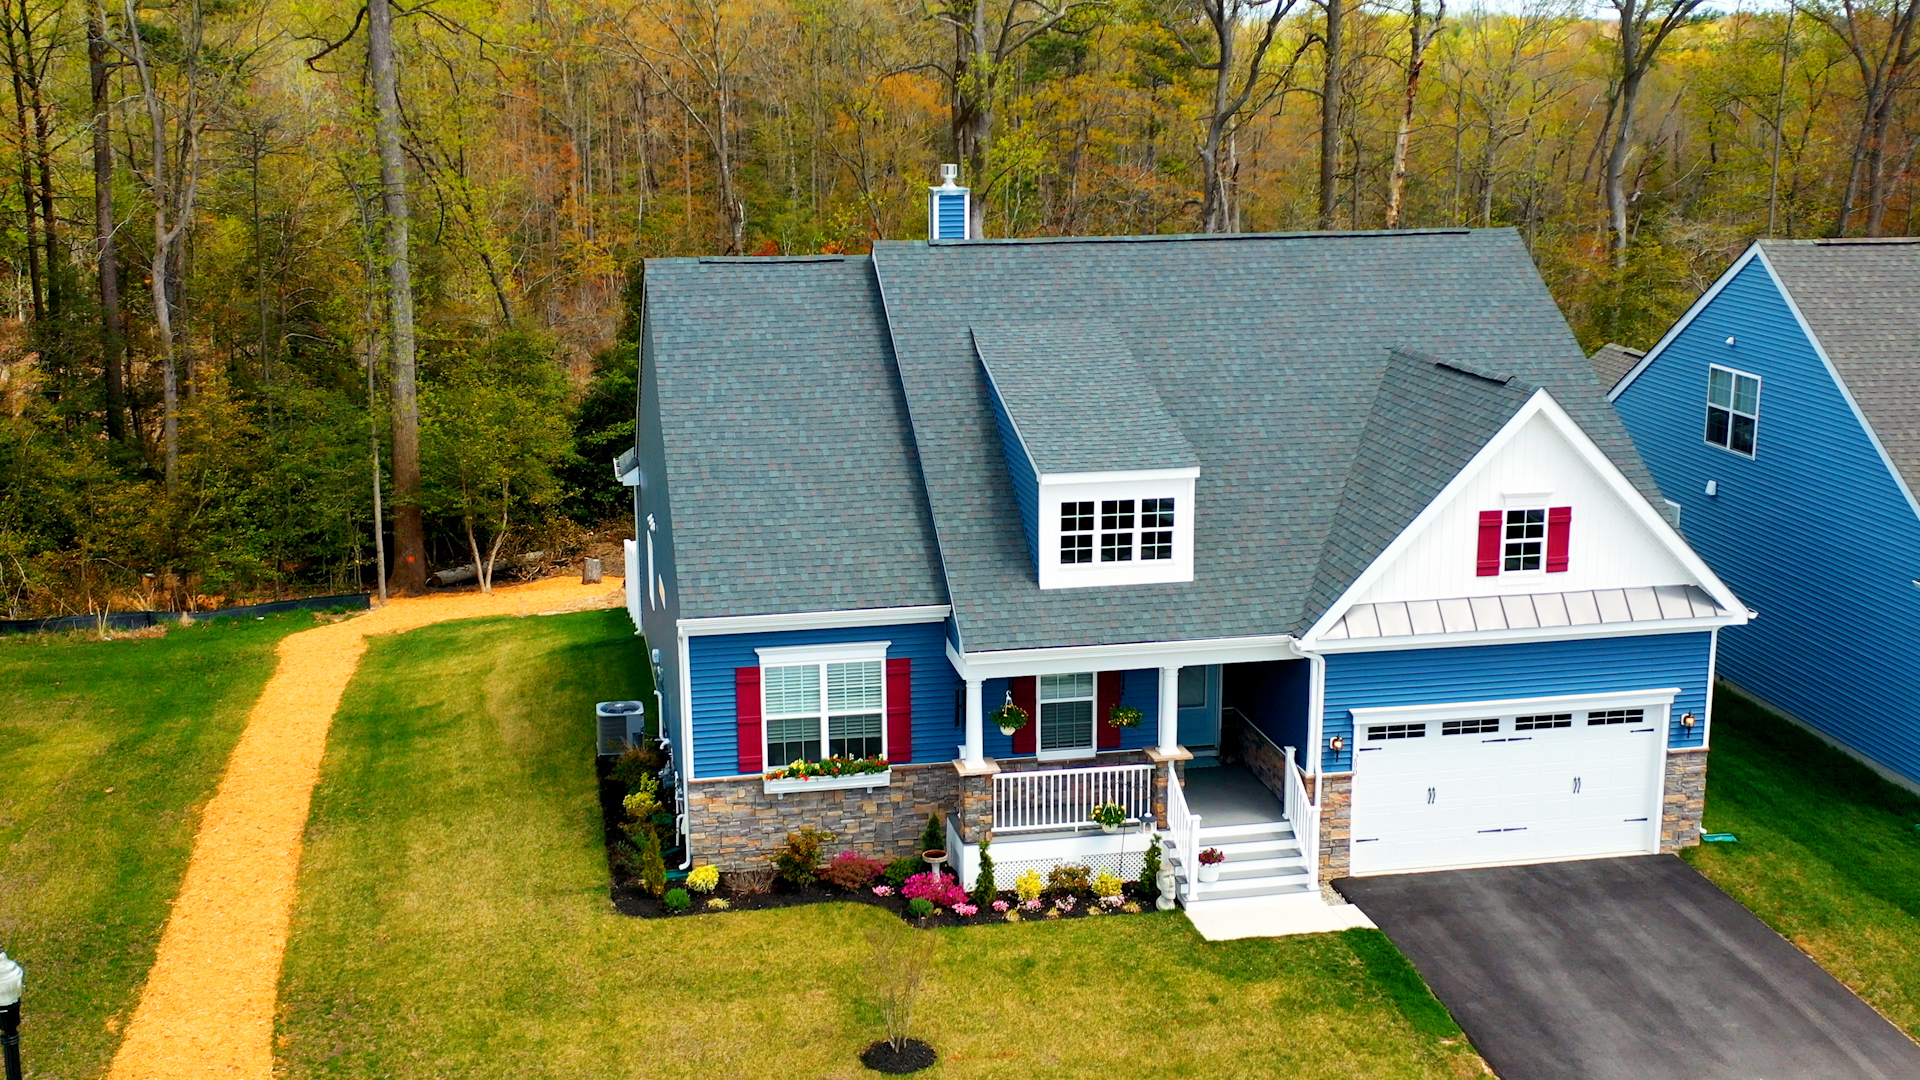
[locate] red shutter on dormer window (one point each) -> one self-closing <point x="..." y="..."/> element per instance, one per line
<point x="1110" y="684"/>
<point x="746" y="717"/>
<point x="1559" y="532"/>
<point x="1489" y="561"/>
<point x="899" y="710"/>
<point x="1025" y="693"/>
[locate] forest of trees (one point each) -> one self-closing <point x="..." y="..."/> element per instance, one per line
<point x="277" y="267"/>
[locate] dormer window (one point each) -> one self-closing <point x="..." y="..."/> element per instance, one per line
<point x="1116" y="530"/>
<point x="1156" y="528"/>
<point x="1076" y="533"/>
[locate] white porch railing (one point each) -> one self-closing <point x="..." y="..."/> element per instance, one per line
<point x="1183" y="829"/>
<point x="1305" y="817"/>
<point x="1062" y="798"/>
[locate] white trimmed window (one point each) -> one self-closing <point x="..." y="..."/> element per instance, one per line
<point x="832" y="705"/>
<point x="1076" y="533"/>
<point x="1524" y="543"/>
<point x="1126" y="530"/>
<point x="1066" y="715"/>
<point x="1733" y="409"/>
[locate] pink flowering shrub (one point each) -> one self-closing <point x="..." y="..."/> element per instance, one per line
<point x="1064" y="904"/>
<point x="883" y="890"/>
<point x="941" y="890"/>
<point x="1031" y="905"/>
<point x="966" y="909"/>
<point x="1001" y="906"/>
<point x="1112" y="901"/>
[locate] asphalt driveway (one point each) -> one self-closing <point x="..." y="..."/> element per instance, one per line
<point x="1637" y="969"/>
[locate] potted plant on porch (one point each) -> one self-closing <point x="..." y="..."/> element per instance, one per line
<point x="1125" y="716"/>
<point x="1010" y="717"/>
<point x="1210" y="861"/>
<point x="1109" y="816"/>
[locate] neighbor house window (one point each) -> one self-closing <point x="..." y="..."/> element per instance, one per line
<point x="1076" y="532"/>
<point x="1733" y="409"/>
<point x="1525" y="541"/>
<point x="1066" y="714"/>
<point x="846" y="719"/>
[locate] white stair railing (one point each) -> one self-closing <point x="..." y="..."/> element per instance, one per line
<point x="1183" y="828"/>
<point x="1305" y="818"/>
<point x="1062" y="798"/>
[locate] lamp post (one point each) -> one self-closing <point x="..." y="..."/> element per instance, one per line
<point x="11" y="977"/>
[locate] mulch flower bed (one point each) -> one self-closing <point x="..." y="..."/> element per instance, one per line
<point x="912" y="1056"/>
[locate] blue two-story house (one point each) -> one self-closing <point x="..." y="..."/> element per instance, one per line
<point x="1325" y="550"/>
<point x="1783" y="413"/>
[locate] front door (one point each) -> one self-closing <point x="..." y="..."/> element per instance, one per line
<point x="1200" y="706"/>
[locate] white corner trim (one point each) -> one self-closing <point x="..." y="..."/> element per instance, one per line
<point x="1015" y="663"/>
<point x="1752" y="252"/>
<point x="814" y="620"/>
<point x="1466" y="709"/>
<point x="823" y="654"/>
<point x="1840" y="384"/>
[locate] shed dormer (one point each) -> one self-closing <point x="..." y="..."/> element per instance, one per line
<point x="1103" y="475"/>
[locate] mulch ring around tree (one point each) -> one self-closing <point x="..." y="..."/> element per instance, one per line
<point x="912" y="1056"/>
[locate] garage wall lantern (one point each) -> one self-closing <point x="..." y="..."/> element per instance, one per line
<point x="1687" y="720"/>
<point x="1336" y="744"/>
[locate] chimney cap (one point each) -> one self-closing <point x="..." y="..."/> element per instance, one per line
<point x="948" y="174"/>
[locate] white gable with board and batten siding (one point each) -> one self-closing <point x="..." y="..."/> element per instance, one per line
<point x="1539" y="533"/>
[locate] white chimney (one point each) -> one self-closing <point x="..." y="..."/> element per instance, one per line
<point x="948" y="207"/>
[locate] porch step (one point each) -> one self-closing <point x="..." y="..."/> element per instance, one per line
<point x="1221" y="835"/>
<point x="1264" y="859"/>
<point x="1224" y="889"/>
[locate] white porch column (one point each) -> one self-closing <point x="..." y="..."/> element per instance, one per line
<point x="1169" y="710"/>
<point x="972" y="753"/>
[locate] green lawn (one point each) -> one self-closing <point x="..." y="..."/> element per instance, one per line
<point x="1828" y="855"/>
<point x="453" y="921"/>
<point x="86" y="876"/>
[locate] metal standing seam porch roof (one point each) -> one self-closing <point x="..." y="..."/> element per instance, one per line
<point x="830" y="441"/>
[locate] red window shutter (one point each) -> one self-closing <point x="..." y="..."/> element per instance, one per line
<point x="1559" y="532"/>
<point x="1106" y="696"/>
<point x="746" y="717"/>
<point x="1026" y="694"/>
<point x="1489" y="563"/>
<point x="900" y="710"/>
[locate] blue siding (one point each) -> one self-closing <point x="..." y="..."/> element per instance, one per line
<point x="1529" y="669"/>
<point x="712" y="660"/>
<point x="1026" y="479"/>
<point x="1813" y="532"/>
<point x="1141" y="690"/>
<point x="951" y="214"/>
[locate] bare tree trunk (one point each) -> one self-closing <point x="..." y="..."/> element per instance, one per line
<point x="43" y="154"/>
<point x="112" y="329"/>
<point x="1330" y="91"/>
<point x="1779" y="122"/>
<point x="29" y="222"/>
<point x="409" y="531"/>
<point x="1617" y="169"/>
<point x="1418" y="40"/>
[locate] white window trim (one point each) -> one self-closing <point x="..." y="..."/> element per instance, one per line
<point x="1758" y="387"/>
<point x="1071" y="753"/>
<point x="819" y="656"/>
<point x="1054" y="574"/>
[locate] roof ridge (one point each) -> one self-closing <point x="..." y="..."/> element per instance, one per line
<point x="1159" y="238"/>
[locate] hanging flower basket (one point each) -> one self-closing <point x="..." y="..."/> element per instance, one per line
<point x="1010" y="717"/>
<point x="1109" y="816"/>
<point x="1125" y="716"/>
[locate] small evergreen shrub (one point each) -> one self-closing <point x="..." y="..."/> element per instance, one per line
<point x="919" y="907"/>
<point x="652" y="873"/>
<point x="934" y="836"/>
<point x="1150" y="868"/>
<point x="984" y="889"/>
<point x="1029" y="886"/>
<point x="899" y="870"/>
<point x="1107" y="885"/>
<point x="703" y="879"/>
<point x="798" y="863"/>
<point x="677" y="900"/>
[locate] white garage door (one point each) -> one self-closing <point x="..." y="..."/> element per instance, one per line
<point x="1506" y="782"/>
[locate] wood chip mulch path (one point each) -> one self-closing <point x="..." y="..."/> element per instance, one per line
<point x="208" y="1006"/>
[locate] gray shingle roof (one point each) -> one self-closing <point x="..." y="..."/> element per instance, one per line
<point x="1078" y="398"/>
<point x="1862" y="298"/>
<point x="1271" y="354"/>
<point x="1613" y="360"/>
<point x="790" y="463"/>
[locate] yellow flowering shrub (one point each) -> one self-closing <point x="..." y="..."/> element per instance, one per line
<point x="1029" y="885"/>
<point x="1105" y="884"/>
<point x="703" y="879"/>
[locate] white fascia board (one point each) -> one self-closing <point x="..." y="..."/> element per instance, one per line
<point x="823" y="654"/>
<point x="1833" y="373"/>
<point x="1540" y="404"/>
<point x="1126" y="476"/>
<point x="1529" y="634"/>
<point x="1752" y="252"/>
<point x="1559" y="703"/>
<point x="1014" y="663"/>
<point x="814" y="620"/>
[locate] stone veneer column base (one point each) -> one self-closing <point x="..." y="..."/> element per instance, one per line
<point x="1683" y="801"/>
<point x="1334" y="797"/>
<point x="734" y="824"/>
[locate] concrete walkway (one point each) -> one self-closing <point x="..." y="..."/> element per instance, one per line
<point x="208" y="1005"/>
<point x="1627" y="969"/>
<point x="1274" y="916"/>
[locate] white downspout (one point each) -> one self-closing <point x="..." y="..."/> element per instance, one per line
<point x="1316" y="705"/>
<point x="686" y="745"/>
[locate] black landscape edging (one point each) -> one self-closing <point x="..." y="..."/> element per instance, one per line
<point x="140" y="620"/>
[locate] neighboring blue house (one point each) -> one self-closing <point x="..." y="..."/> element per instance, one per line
<point x="1783" y="413"/>
<point x="1344" y="517"/>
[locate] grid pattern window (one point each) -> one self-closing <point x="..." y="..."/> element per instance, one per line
<point x="1615" y="716"/>
<point x="1379" y="732"/>
<point x="1543" y="721"/>
<point x="848" y="719"/>
<point x="1733" y="409"/>
<point x="1470" y="727"/>
<point x="1076" y="533"/>
<point x="1116" y="530"/>
<point x="1525" y="540"/>
<point x="1066" y="712"/>
<point x="1156" y="529"/>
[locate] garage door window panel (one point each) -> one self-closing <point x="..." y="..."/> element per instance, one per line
<point x="1543" y="722"/>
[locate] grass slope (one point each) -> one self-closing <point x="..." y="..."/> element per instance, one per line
<point x="86" y="876"/>
<point x="453" y="921"/>
<point x="1828" y="855"/>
